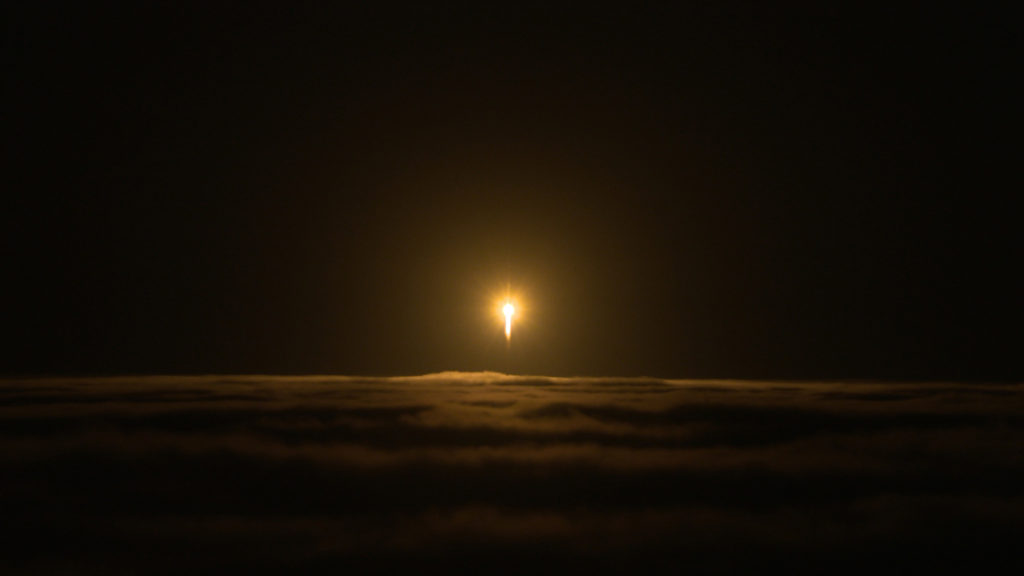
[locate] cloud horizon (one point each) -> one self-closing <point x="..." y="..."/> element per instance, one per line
<point x="266" y="473"/>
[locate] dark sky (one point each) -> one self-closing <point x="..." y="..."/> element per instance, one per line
<point x="714" y="190"/>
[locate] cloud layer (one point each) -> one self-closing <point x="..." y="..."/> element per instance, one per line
<point x="484" y="471"/>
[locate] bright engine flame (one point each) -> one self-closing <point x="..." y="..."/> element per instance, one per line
<point x="509" y="310"/>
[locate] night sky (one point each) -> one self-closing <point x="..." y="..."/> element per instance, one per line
<point x="764" y="263"/>
<point x="713" y="190"/>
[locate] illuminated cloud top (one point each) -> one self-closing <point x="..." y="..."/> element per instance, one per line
<point x="270" y="473"/>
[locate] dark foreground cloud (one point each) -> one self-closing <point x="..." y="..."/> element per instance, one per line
<point x="489" y="472"/>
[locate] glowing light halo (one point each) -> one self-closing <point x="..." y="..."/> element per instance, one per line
<point x="508" y="305"/>
<point x="509" y="310"/>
